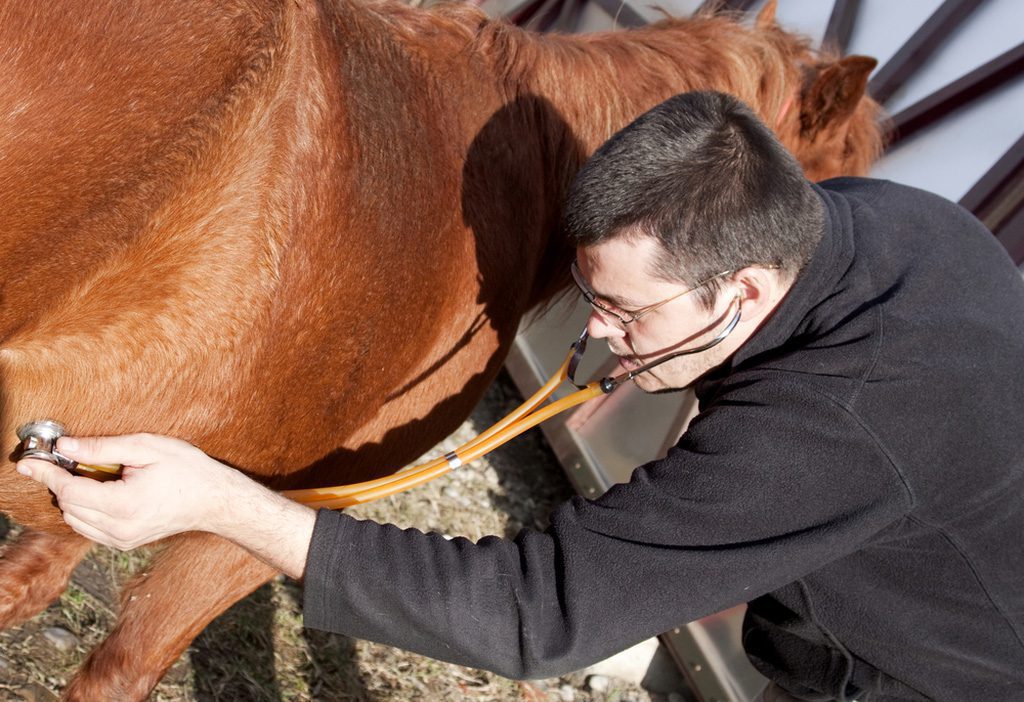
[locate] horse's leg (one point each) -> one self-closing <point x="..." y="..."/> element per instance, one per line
<point x="194" y="579"/>
<point x="34" y="571"/>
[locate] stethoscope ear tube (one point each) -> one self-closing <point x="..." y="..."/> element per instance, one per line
<point x="686" y="352"/>
<point x="527" y="415"/>
<point x="577" y="349"/>
<point x="608" y="384"/>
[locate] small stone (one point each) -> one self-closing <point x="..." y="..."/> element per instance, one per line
<point x="5" y="665"/>
<point x="566" y="693"/>
<point x="34" y="692"/>
<point x="61" y="639"/>
<point x="597" y="683"/>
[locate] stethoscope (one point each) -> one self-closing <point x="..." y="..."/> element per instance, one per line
<point x="39" y="438"/>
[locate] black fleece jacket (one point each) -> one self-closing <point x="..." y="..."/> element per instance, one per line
<point x="855" y="473"/>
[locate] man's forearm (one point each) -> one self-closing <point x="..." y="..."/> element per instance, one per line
<point x="271" y="527"/>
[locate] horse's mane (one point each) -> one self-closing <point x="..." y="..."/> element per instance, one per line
<point x="762" y="64"/>
<point x="756" y="61"/>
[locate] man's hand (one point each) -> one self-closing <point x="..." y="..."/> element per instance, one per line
<point x="167" y="487"/>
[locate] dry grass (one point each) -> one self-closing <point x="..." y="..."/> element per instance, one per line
<point x="258" y="650"/>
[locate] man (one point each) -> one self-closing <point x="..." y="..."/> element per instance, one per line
<point x="855" y="471"/>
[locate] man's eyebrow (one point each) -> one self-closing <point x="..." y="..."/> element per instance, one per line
<point x="615" y="300"/>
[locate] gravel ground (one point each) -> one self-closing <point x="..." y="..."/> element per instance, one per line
<point x="258" y="650"/>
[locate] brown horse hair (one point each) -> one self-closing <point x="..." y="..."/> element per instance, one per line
<point x="764" y="65"/>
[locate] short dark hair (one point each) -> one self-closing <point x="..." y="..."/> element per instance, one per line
<point x="705" y="177"/>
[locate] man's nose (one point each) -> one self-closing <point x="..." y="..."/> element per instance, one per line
<point x="602" y="326"/>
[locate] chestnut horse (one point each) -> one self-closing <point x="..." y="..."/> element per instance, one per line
<point x="244" y="222"/>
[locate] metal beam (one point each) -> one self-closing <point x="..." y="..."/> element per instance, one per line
<point x="622" y="12"/>
<point x="523" y="12"/>
<point x="840" y="25"/>
<point x="919" y="47"/>
<point x="1011" y="236"/>
<point x="978" y="82"/>
<point x="997" y="199"/>
<point x="569" y="17"/>
<point x="715" y="6"/>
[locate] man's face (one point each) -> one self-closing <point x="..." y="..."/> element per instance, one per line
<point x="619" y="272"/>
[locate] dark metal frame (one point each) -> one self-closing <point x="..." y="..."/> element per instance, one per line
<point x="998" y="200"/>
<point x="920" y="47"/>
<point x="840" y="25"/>
<point x="979" y="82"/>
<point x="725" y="5"/>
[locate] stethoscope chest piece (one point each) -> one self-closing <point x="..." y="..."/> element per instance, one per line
<point x="39" y="440"/>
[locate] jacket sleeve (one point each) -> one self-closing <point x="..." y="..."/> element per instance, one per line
<point x="769" y="483"/>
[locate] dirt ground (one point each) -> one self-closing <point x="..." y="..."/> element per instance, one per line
<point x="258" y="650"/>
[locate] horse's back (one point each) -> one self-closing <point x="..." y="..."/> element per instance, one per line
<point x="103" y="106"/>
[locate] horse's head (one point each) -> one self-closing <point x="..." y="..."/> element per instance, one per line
<point x="828" y="120"/>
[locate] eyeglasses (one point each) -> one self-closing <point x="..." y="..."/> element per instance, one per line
<point x="628" y="316"/>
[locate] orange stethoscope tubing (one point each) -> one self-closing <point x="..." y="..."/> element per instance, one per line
<point x="39" y="439"/>
<point x="519" y="420"/>
<point x="522" y="418"/>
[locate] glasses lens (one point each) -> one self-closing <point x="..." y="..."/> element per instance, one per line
<point x="597" y="303"/>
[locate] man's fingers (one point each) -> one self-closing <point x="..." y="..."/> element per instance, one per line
<point x="48" y="474"/>
<point x="88" y="530"/>
<point x="129" y="450"/>
<point x="69" y="489"/>
<point x="87" y="505"/>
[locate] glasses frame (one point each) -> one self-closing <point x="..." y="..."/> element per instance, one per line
<point x="633" y="315"/>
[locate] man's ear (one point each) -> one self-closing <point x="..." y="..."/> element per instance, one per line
<point x="760" y="290"/>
